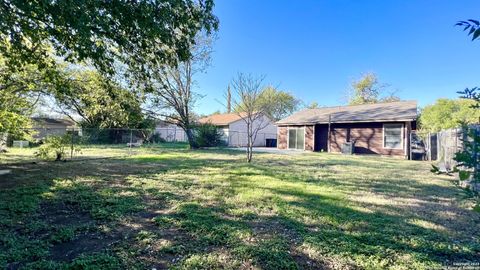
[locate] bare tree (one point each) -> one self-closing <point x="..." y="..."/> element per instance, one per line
<point x="247" y="89"/>
<point x="172" y="94"/>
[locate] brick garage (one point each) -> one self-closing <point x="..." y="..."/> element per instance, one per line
<point x="382" y="128"/>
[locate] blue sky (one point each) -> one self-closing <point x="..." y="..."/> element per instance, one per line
<point x="314" y="49"/>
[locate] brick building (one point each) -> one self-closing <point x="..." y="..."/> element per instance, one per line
<point x="381" y="128"/>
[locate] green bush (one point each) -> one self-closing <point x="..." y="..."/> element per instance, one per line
<point x="104" y="136"/>
<point x="56" y="147"/>
<point x="207" y="135"/>
<point x="156" y="138"/>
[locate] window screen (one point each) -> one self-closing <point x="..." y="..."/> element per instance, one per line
<point x="392" y="136"/>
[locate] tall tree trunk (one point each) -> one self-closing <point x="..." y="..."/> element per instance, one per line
<point x="191" y="138"/>
<point x="249" y="142"/>
<point x="3" y="142"/>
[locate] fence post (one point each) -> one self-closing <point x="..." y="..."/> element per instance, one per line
<point x="71" y="144"/>
<point x="430" y="146"/>
<point x="410" y="145"/>
<point x="131" y="141"/>
<point x="456" y="139"/>
<point x="3" y="141"/>
<point x="475" y="167"/>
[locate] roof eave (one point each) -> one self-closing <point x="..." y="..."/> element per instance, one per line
<point x="345" y="122"/>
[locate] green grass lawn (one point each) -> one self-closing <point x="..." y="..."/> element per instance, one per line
<point x="174" y="208"/>
<point x="92" y="151"/>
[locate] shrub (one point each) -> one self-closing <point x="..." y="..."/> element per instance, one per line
<point x="207" y="135"/>
<point x="102" y="136"/>
<point x="156" y="138"/>
<point x="56" y="146"/>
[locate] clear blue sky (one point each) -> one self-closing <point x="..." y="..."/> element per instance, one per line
<point x="314" y="49"/>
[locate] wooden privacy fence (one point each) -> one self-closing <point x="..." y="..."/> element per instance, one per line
<point x="442" y="146"/>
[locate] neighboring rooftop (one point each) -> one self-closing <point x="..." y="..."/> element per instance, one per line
<point x="163" y="123"/>
<point x="389" y="111"/>
<point x="220" y="119"/>
<point x="52" y="121"/>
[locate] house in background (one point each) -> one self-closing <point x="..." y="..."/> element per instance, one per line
<point x="170" y="132"/>
<point x="381" y="128"/>
<point x="234" y="129"/>
<point x="44" y="126"/>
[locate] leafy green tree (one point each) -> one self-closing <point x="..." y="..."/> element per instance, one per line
<point x="469" y="157"/>
<point x="448" y="113"/>
<point x="277" y="104"/>
<point x="313" y="105"/>
<point x="367" y="90"/>
<point x="99" y="102"/>
<point x="472" y="94"/>
<point x="20" y="91"/>
<point x="128" y="37"/>
<point x="472" y="26"/>
<point x="138" y="34"/>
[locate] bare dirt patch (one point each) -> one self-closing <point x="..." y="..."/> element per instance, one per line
<point x="84" y="243"/>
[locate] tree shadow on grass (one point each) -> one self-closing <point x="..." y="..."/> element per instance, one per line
<point x="164" y="225"/>
<point x="37" y="199"/>
<point x="275" y="242"/>
<point x="430" y="205"/>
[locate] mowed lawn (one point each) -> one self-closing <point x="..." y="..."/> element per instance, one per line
<point x="175" y="208"/>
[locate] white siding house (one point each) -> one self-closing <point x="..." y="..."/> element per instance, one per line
<point x="170" y="132"/>
<point x="234" y="129"/>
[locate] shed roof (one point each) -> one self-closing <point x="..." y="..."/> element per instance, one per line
<point x="378" y="112"/>
<point x="220" y="119"/>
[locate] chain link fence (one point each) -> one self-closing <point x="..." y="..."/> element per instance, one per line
<point x="87" y="143"/>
